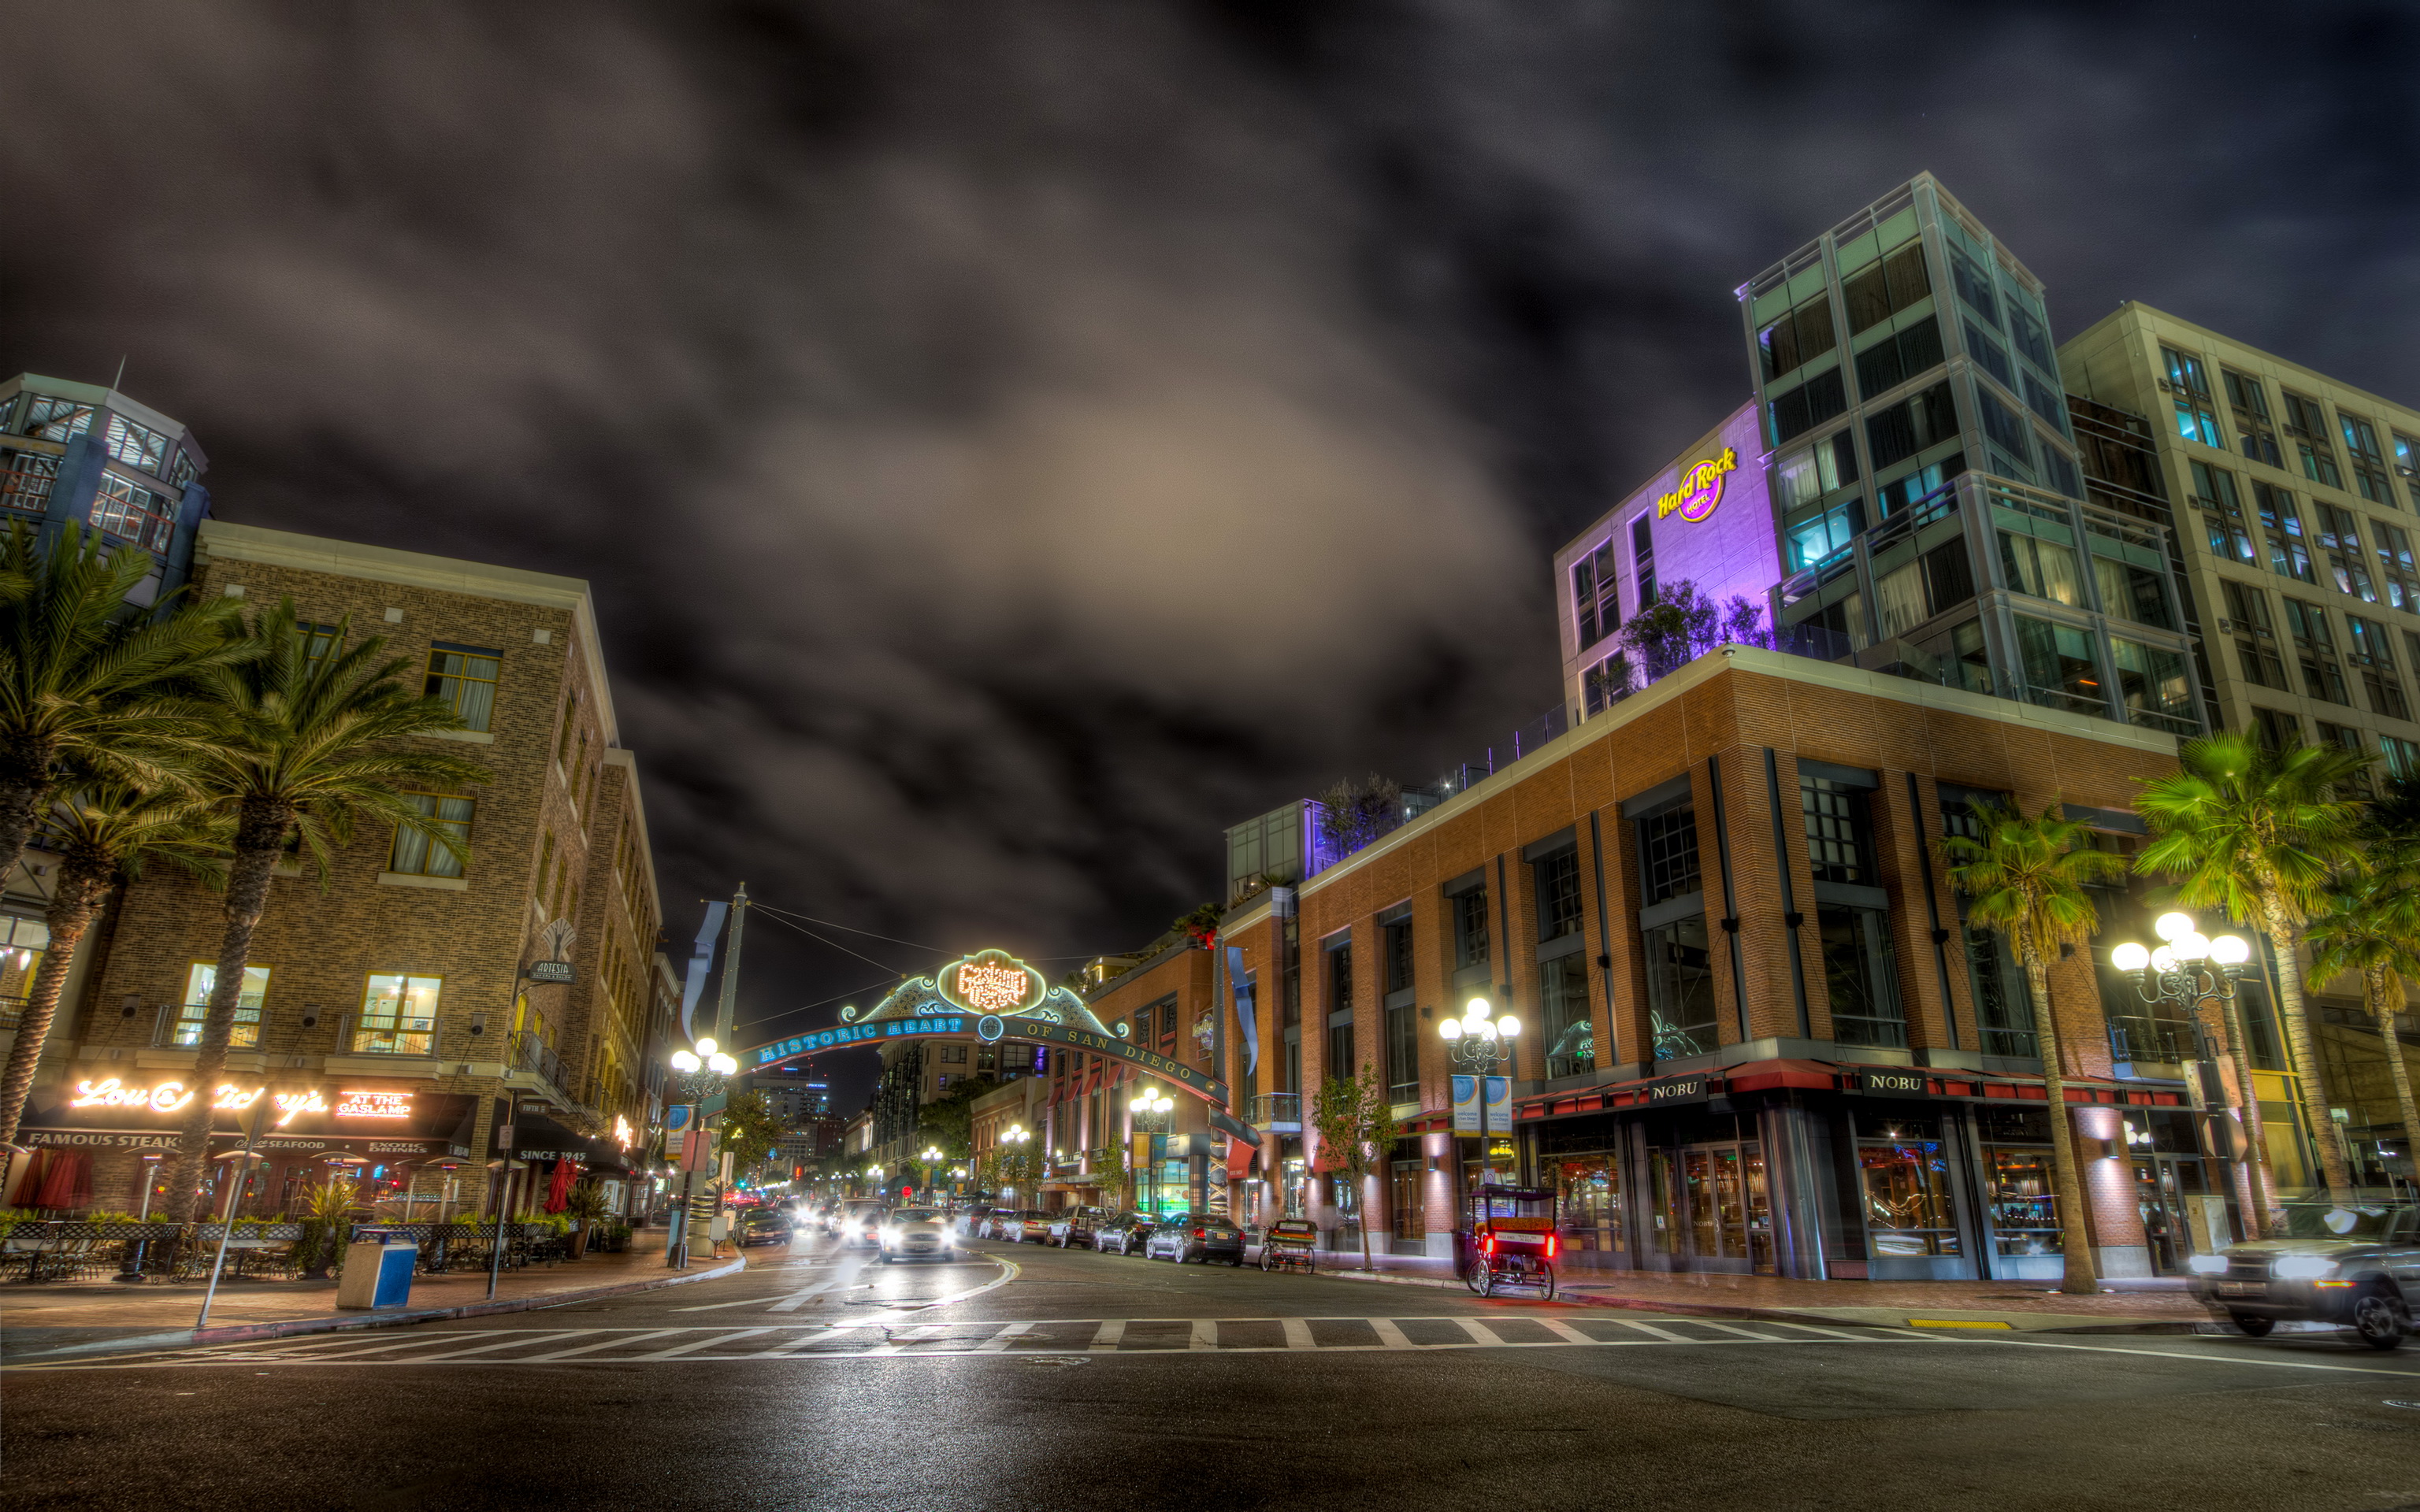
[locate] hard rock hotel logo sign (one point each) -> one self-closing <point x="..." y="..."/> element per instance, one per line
<point x="1700" y="489"/>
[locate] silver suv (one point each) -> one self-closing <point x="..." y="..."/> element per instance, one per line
<point x="2355" y="1265"/>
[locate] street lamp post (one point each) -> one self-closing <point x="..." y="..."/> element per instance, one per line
<point x="932" y="1158"/>
<point x="1018" y="1135"/>
<point x="1478" y="1045"/>
<point x="1151" y="1107"/>
<point x="702" y="1072"/>
<point x="2194" y="971"/>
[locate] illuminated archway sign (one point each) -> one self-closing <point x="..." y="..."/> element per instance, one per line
<point x="990" y="996"/>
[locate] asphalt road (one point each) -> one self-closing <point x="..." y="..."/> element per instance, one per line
<point x="1021" y="1377"/>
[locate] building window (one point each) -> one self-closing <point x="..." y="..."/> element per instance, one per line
<point x="2347" y="738"/>
<point x="2153" y="685"/>
<point x="1814" y="540"/>
<point x="1859" y="978"/>
<point x="2309" y="425"/>
<point x="1558" y="881"/>
<point x="1974" y="287"/>
<point x="1839" y="835"/>
<point x="1563" y="1002"/>
<point x="2221" y="514"/>
<point x="2006" y="432"/>
<point x="2189" y="385"/>
<point x="1470" y="928"/>
<point x="52" y="419"/>
<point x="2283" y="528"/>
<point x="463" y="678"/>
<point x="1909" y="426"/>
<point x="1890" y="287"/>
<point x="1798" y="337"/>
<point x="1905" y="1177"/>
<point x="398" y="1015"/>
<point x="416" y="854"/>
<point x="1642" y="561"/>
<point x="2249" y="399"/>
<point x="1668" y="854"/>
<point x="2340" y="539"/>
<point x="1596" y="595"/>
<point x="2133" y="592"/>
<point x="25" y="479"/>
<point x="1894" y="359"/>
<point x="1339" y="1049"/>
<point x="200" y="981"/>
<point x="2276" y="728"/>
<point x="2369" y="459"/>
<point x="317" y="641"/>
<point x="131" y="513"/>
<point x="2373" y="652"/>
<point x="1808" y="405"/>
<point x="1399" y="957"/>
<point x="2398" y="578"/>
<point x="136" y="446"/>
<point x="1994" y="359"/>
<point x="2062" y="668"/>
<point x="1403" y="1053"/>
<point x="1679" y="989"/>
<point x="2315" y="646"/>
<point x="2043" y="569"/>
<point x="2023" y="1196"/>
<point x="1809" y="472"/>
<point x="1606" y="684"/>
<point x="2255" y="635"/>
<point x="2402" y="756"/>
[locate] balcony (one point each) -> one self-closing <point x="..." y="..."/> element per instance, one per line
<point x="372" y="1034"/>
<point x="529" y="1053"/>
<point x="1274" y="1110"/>
<point x="2156" y="1048"/>
<point x="181" y="1028"/>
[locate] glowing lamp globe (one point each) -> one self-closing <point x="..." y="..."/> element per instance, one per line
<point x="2168" y="926"/>
<point x="2130" y="957"/>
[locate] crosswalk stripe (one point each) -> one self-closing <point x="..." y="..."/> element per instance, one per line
<point x="1565" y="1332"/>
<point x="719" y="1338"/>
<point x="798" y="1298"/>
<point x="1745" y="1333"/>
<point x="505" y="1343"/>
<point x="1480" y="1332"/>
<point x="1660" y="1333"/>
<point x="899" y="1340"/>
<point x="812" y="1339"/>
<point x="605" y="1343"/>
<point x="1106" y="1337"/>
<point x="1003" y="1339"/>
<point x="1297" y="1334"/>
<point x="1205" y="1333"/>
<point x="1390" y="1335"/>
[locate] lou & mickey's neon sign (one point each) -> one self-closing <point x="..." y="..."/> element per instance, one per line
<point x="174" y="1097"/>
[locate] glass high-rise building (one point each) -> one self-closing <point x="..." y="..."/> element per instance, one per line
<point x="1925" y="482"/>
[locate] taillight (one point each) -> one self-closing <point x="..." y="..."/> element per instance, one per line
<point x="1198" y="1234"/>
<point x="1487" y="1246"/>
<point x="1550" y="1246"/>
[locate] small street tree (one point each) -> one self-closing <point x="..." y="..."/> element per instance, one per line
<point x="748" y="1131"/>
<point x="1356" y="1127"/>
<point x="103" y="832"/>
<point x="2259" y="834"/>
<point x="302" y="747"/>
<point x="2369" y="927"/>
<point x="1114" y="1175"/>
<point x="2026" y="879"/>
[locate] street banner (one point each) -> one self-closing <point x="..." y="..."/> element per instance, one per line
<point x="1465" y="1104"/>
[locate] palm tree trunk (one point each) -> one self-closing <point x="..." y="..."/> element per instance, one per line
<point x="69" y="916"/>
<point x="247" y="895"/>
<point x="2083" y="1279"/>
<point x="2261" y="1186"/>
<point x="2387" y="1000"/>
<point x="2304" y="1049"/>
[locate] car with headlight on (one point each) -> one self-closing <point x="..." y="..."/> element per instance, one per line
<point x="914" y="1234"/>
<point x="861" y="1223"/>
<point x="2355" y="1265"/>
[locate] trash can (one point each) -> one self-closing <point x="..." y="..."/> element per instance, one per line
<point x="378" y="1270"/>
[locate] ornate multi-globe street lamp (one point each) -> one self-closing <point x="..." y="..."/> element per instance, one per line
<point x="701" y="1074"/>
<point x="2196" y="973"/>
<point x="1479" y="1044"/>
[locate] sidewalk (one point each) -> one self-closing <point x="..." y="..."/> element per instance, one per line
<point x="2146" y="1306"/>
<point x="64" y="1320"/>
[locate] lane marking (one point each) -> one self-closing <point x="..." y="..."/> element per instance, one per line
<point x="601" y="1344"/>
<point x="1297" y="1334"/>
<point x="2206" y="1357"/>
<point x="684" y="1349"/>
<point x="500" y="1344"/>
<point x="798" y="1298"/>
<point x="1106" y="1337"/>
<point x="1003" y="1339"/>
<point x="1953" y="1322"/>
<point x="812" y="1340"/>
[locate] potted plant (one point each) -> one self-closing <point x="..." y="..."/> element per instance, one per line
<point x="586" y="1203"/>
<point x="327" y="1220"/>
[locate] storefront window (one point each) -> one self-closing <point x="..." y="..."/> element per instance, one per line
<point x="1588" y="1201"/>
<point x="1906" y="1181"/>
<point x="1680" y="988"/>
<point x="199" y="984"/>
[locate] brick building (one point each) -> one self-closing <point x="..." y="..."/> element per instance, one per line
<point x="412" y="1012"/>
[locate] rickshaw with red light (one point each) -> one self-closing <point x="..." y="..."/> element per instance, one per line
<point x="1508" y="1239"/>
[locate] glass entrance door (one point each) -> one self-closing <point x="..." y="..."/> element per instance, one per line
<point x="1730" y="1218"/>
<point x="2171" y="1194"/>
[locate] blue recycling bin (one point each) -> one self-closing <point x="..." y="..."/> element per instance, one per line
<point x="378" y="1265"/>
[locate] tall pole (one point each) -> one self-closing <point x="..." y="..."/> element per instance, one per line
<point x="226" y="1227"/>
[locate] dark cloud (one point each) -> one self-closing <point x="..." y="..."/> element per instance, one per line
<point x="1010" y="442"/>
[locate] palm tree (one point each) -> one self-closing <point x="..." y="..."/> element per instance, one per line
<point x="86" y="679"/>
<point x="2259" y="834"/>
<point x="304" y="748"/>
<point x="2026" y="878"/>
<point x="104" y="831"/>
<point x="2369" y="927"/>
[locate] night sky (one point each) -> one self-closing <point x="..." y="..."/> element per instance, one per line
<point x="1012" y="441"/>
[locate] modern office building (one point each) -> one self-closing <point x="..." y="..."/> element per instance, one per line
<point x="2303" y="492"/>
<point x="415" y="1009"/>
<point x="85" y="455"/>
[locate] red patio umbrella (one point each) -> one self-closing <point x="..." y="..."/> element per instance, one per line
<point x="29" y="1185"/>
<point x="67" y="1183"/>
<point x="558" y="1194"/>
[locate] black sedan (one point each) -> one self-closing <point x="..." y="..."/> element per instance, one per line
<point x="764" y="1226"/>
<point x="1196" y="1236"/>
<point x="1124" y="1234"/>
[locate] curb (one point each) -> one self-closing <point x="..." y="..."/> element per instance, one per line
<point x="1572" y="1297"/>
<point x="288" y="1328"/>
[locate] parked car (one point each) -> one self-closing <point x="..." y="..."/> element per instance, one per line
<point x="1074" y="1226"/>
<point x="762" y="1225"/>
<point x="915" y="1233"/>
<point x="1027" y="1225"/>
<point x="1196" y="1236"/>
<point x="2355" y="1265"/>
<point x="1123" y="1234"/>
<point x="861" y="1224"/>
<point x="972" y="1222"/>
